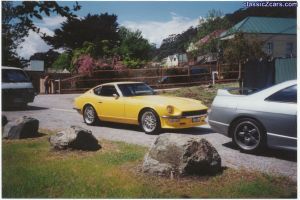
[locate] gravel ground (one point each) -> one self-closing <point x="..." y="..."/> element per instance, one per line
<point x="55" y="112"/>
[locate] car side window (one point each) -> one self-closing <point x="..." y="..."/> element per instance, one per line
<point x="288" y="95"/>
<point x="97" y="90"/>
<point x="108" y="90"/>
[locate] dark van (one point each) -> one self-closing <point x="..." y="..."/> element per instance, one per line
<point x="17" y="89"/>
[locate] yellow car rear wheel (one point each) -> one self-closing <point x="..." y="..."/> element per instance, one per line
<point x="89" y="115"/>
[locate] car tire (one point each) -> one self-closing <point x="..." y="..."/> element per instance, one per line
<point x="249" y="135"/>
<point x="150" y="122"/>
<point x="90" y="116"/>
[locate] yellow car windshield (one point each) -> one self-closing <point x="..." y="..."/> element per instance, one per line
<point x="135" y="89"/>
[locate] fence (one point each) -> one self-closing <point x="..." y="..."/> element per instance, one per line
<point x="155" y="77"/>
<point x="36" y="77"/>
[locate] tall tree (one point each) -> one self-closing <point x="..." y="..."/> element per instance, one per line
<point x="134" y="49"/>
<point x="240" y="49"/>
<point x="92" y="28"/>
<point x="213" y="21"/>
<point x="17" y="20"/>
<point x="176" y="43"/>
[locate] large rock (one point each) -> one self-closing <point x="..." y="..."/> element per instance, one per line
<point x="23" y="127"/>
<point x="173" y="154"/>
<point x="74" y="137"/>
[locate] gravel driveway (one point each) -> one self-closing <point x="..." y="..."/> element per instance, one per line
<point x="55" y="112"/>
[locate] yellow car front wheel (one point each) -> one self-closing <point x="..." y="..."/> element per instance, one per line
<point x="149" y="122"/>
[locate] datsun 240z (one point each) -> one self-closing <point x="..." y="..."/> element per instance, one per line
<point x="136" y="103"/>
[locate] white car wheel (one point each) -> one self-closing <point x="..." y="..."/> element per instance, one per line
<point x="248" y="135"/>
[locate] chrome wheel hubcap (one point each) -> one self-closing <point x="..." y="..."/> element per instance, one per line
<point x="89" y="115"/>
<point x="149" y="121"/>
<point x="247" y="135"/>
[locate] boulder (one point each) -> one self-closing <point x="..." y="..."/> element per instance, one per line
<point x="173" y="154"/>
<point x="74" y="137"/>
<point x="23" y="127"/>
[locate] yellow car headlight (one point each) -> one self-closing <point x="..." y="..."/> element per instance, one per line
<point x="170" y="109"/>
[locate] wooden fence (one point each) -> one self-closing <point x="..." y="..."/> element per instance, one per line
<point x="155" y="77"/>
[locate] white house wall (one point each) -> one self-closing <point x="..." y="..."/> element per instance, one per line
<point x="279" y="43"/>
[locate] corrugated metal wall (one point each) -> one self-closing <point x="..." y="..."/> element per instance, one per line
<point x="285" y="69"/>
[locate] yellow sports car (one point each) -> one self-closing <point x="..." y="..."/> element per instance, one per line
<point x="137" y="103"/>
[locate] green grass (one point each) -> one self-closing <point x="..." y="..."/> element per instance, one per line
<point x="32" y="170"/>
<point x="202" y="92"/>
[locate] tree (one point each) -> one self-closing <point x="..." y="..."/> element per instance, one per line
<point x="93" y="28"/>
<point x="134" y="49"/>
<point x="176" y="43"/>
<point x="239" y="49"/>
<point x="63" y="61"/>
<point x="10" y="38"/>
<point x="18" y="20"/>
<point x="214" y="21"/>
<point x="86" y="59"/>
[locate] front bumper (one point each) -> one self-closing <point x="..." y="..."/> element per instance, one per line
<point x="12" y="98"/>
<point x="182" y="122"/>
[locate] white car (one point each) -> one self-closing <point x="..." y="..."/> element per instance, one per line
<point x="265" y="118"/>
<point x="17" y="89"/>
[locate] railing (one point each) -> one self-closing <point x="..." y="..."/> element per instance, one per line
<point x="155" y="77"/>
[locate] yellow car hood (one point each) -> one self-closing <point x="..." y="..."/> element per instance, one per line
<point x="183" y="104"/>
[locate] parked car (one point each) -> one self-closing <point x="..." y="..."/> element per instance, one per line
<point x="199" y="74"/>
<point x="264" y="118"/>
<point x="136" y="103"/>
<point x="17" y="89"/>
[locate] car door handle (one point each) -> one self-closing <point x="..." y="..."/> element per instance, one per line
<point x="100" y="102"/>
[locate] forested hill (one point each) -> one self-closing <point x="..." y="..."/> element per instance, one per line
<point x="179" y="42"/>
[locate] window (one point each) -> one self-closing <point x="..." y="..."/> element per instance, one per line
<point x="136" y="89"/>
<point x="108" y="90"/>
<point x="288" y="95"/>
<point x="97" y="90"/>
<point x="269" y="48"/>
<point x="14" y="76"/>
<point x="289" y="49"/>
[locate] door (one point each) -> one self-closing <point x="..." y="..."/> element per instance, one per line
<point x="282" y="108"/>
<point x="280" y="118"/>
<point x="110" y="105"/>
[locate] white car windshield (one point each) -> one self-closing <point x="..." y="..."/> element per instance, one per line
<point x="14" y="76"/>
<point x="135" y="89"/>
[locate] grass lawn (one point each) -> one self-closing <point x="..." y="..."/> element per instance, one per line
<point x="32" y="170"/>
<point x="202" y="92"/>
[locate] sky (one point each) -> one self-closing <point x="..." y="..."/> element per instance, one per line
<point x="157" y="19"/>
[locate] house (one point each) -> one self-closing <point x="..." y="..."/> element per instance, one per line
<point x="175" y="60"/>
<point x="35" y="65"/>
<point x="279" y="35"/>
<point x="203" y="58"/>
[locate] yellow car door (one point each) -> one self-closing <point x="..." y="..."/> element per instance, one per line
<point x="110" y="105"/>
